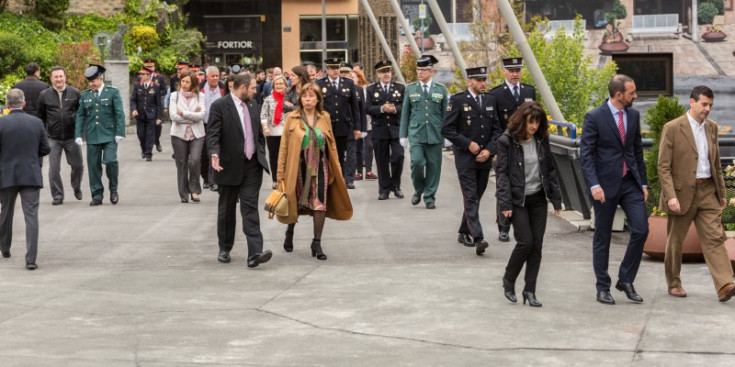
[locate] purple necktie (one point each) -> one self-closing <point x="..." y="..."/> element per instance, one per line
<point x="248" y="129"/>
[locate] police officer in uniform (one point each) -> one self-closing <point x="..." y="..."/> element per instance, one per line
<point x="472" y="125"/>
<point x="146" y="105"/>
<point x="508" y="97"/>
<point x="342" y="104"/>
<point x="421" y="118"/>
<point x="101" y="118"/>
<point x="156" y="78"/>
<point x="384" y="104"/>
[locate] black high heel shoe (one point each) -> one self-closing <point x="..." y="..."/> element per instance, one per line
<point x="316" y="250"/>
<point x="509" y="291"/>
<point x="288" y="242"/>
<point x="531" y="297"/>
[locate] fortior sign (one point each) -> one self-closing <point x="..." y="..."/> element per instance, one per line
<point x="235" y="44"/>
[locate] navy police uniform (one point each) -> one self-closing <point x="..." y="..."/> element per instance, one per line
<point x="342" y="104"/>
<point x="146" y="99"/>
<point x="507" y="100"/>
<point x="472" y="118"/>
<point x="389" y="154"/>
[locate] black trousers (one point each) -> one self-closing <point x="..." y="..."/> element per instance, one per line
<point x="529" y="225"/>
<point x="247" y="191"/>
<point x="206" y="163"/>
<point x="145" y="129"/>
<point x="473" y="183"/>
<point x="389" y="155"/>
<point x="158" y="129"/>
<point x="274" y="144"/>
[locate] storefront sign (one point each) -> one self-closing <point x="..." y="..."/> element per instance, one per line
<point x="235" y="44"/>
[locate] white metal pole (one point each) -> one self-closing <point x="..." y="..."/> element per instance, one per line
<point x="404" y="24"/>
<point x="695" y="22"/>
<point x="439" y="17"/>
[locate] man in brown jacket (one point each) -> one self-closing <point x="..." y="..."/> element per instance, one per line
<point x="693" y="189"/>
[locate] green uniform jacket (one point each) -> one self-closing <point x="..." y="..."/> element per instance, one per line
<point x="421" y="116"/>
<point x="103" y="116"/>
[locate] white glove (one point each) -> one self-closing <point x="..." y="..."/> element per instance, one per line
<point x="402" y="141"/>
<point x="118" y="139"/>
<point x="363" y="135"/>
<point x="78" y="141"/>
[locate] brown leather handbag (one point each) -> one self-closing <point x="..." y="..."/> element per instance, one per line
<point x="277" y="202"/>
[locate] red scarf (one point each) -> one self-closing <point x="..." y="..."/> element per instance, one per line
<point x="279" y="107"/>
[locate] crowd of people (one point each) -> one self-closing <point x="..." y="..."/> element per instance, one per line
<point x="321" y="135"/>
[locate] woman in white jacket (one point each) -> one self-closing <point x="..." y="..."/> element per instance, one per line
<point x="187" y="136"/>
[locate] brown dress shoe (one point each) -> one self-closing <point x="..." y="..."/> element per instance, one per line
<point x="677" y="292"/>
<point x="726" y="292"/>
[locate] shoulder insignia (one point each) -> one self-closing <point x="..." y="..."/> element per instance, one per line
<point x="440" y="84"/>
<point x="449" y="107"/>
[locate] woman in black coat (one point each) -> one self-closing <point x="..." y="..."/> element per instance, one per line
<point x="526" y="178"/>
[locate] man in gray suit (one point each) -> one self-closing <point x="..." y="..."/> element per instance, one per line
<point x="23" y="143"/>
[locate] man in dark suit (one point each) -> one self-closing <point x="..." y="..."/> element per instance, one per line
<point x="146" y="106"/>
<point x="611" y="154"/>
<point x="472" y="126"/>
<point x="31" y="88"/>
<point x="237" y="146"/>
<point x="342" y="104"/>
<point x="23" y="143"/>
<point x="508" y="97"/>
<point x="384" y="104"/>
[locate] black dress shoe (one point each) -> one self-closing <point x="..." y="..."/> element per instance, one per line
<point x="531" y="298"/>
<point x="57" y="202"/>
<point x="148" y="159"/>
<point x="114" y="197"/>
<point x="95" y="202"/>
<point x="466" y="239"/>
<point x="503" y="236"/>
<point x="205" y="186"/>
<point x="398" y="193"/>
<point x="158" y="148"/>
<point x="509" y="291"/>
<point x="259" y="258"/>
<point x="213" y="187"/>
<point x="31" y="266"/>
<point x="430" y="206"/>
<point x="480" y="247"/>
<point x="6" y="254"/>
<point x="78" y="194"/>
<point x="605" y="297"/>
<point x="184" y="200"/>
<point x="351" y="186"/>
<point x="416" y="199"/>
<point x="383" y="196"/>
<point x="224" y="257"/>
<point x="629" y="291"/>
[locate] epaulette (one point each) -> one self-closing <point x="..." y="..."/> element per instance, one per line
<point x="414" y="83"/>
<point x="440" y="84"/>
<point x="111" y="87"/>
<point x="499" y="86"/>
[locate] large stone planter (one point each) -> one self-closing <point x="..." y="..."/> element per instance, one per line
<point x="714" y="36"/>
<point x="655" y="245"/>
<point x="613" y="48"/>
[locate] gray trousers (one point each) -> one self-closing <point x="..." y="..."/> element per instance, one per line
<point x="74" y="158"/>
<point x="29" y="202"/>
<point x="188" y="155"/>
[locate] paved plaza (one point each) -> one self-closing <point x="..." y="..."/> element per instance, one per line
<point x="138" y="284"/>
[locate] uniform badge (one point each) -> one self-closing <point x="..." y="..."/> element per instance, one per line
<point x="398" y="94"/>
<point x="528" y="100"/>
<point x="152" y="91"/>
<point x="489" y="108"/>
<point x="324" y="90"/>
<point x="449" y="108"/>
<point x="377" y="95"/>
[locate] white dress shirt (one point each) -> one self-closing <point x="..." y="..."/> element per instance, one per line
<point x="700" y="138"/>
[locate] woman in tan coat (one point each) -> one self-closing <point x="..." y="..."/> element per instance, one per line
<point x="309" y="169"/>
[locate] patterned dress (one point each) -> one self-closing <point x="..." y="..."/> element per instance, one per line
<point x="313" y="176"/>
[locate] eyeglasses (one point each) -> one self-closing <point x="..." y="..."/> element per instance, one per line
<point x="423" y="69"/>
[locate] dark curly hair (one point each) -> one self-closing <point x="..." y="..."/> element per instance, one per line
<point x="528" y="111"/>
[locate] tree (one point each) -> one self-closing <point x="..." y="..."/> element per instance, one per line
<point x="577" y="85"/>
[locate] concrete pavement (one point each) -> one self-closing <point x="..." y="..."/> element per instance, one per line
<point x="138" y="284"/>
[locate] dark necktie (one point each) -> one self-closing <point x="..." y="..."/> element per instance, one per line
<point x="426" y="90"/>
<point x="248" y="130"/>
<point x="385" y="89"/>
<point x="477" y="99"/>
<point x="621" y="130"/>
<point x="335" y="84"/>
<point x="516" y="95"/>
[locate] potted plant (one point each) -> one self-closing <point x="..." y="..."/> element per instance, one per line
<point x="613" y="40"/>
<point x="428" y="42"/>
<point x="714" y="34"/>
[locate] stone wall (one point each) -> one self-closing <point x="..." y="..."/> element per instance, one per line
<point x="105" y="8"/>
<point x="370" y="49"/>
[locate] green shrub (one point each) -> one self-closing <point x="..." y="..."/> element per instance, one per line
<point x="144" y="37"/>
<point x="706" y="13"/>
<point x="665" y="110"/>
<point x="50" y="12"/>
<point x="720" y="5"/>
<point x="75" y="58"/>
